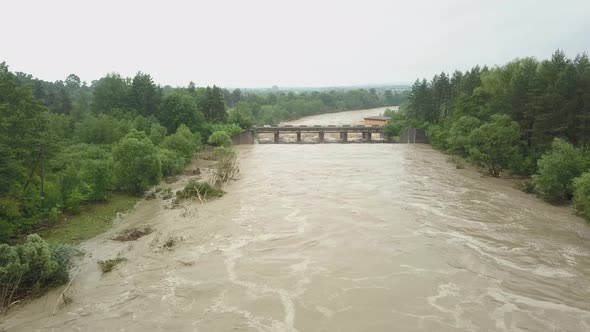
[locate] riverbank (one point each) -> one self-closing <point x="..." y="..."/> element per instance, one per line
<point x="93" y="219"/>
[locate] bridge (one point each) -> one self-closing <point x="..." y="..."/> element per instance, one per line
<point x="366" y="132"/>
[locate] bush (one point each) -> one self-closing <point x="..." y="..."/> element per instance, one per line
<point x="220" y="138"/>
<point x="157" y="133"/>
<point x="557" y="170"/>
<point x="199" y="189"/>
<point x="31" y="268"/>
<point x="75" y="200"/>
<point x="172" y="163"/>
<point x="109" y="264"/>
<point x="98" y="176"/>
<point x="183" y="142"/>
<point x="394" y="128"/>
<point x="229" y="128"/>
<point x="136" y="164"/>
<point x="581" y="188"/>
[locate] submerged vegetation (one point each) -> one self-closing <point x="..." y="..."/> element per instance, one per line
<point x="529" y="117"/>
<point x="108" y="265"/>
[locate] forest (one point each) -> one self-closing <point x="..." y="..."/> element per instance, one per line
<point x="527" y="118"/>
<point x="66" y="144"/>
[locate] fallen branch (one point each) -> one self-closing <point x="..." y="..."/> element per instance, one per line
<point x="63" y="294"/>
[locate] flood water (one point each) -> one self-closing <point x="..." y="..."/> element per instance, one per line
<point x="337" y="237"/>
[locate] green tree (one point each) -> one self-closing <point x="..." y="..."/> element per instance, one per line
<point x="213" y="105"/>
<point x="494" y="143"/>
<point x="177" y="109"/>
<point x="157" y="133"/>
<point x="136" y="163"/>
<point x="557" y="170"/>
<point x="110" y="93"/>
<point x="145" y="95"/>
<point x="458" y="140"/>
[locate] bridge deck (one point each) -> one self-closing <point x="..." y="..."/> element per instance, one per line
<point x="318" y="128"/>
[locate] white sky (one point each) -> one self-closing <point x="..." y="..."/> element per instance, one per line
<point x="258" y="43"/>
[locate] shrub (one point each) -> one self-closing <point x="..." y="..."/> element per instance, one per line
<point x="581" y="188"/>
<point x="229" y="128"/>
<point x="220" y="138"/>
<point x="109" y="264"/>
<point x="98" y="176"/>
<point x="226" y="167"/>
<point x="31" y="268"/>
<point x="75" y="200"/>
<point x="157" y="133"/>
<point x="183" y="142"/>
<point x="172" y="162"/>
<point x="557" y="170"/>
<point x="199" y="189"/>
<point x="527" y="186"/>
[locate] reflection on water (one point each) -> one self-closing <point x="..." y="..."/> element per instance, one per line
<point x="331" y="237"/>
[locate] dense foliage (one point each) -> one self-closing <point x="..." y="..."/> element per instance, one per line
<point x="529" y="116"/>
<point x="31" y="267"/>
<point x="65" y="144"/>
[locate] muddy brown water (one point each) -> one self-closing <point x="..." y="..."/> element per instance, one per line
<point x="337" y="237"/>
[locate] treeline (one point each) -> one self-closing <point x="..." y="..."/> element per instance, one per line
<point x="272" y="108"/>
<point x="65" y="144"/>
<point x="530" y="117"/>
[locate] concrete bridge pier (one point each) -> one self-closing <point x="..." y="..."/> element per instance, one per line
<point x="298" y="137"/>
<point x="364" y="133"/>
<point x="321" y="134"/>
<point x="369" y="136"/>
<point x="344" y="136"/>
<point x="276" y="136"/>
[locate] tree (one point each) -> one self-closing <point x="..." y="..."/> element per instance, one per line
<point x="177" y="109"/>
<point x="213" y="105"/>
<point x="22" y="124"/>
<point x="145" y="95"/>
<point x="494" y="143"/>
<point x="157" y="133"/>
<point x="110" y="93"/>
<point x="136" y="163"/>
<point x="241" y="118"/>
<point x="557" y="170"/>
<point x="458" y="141"/>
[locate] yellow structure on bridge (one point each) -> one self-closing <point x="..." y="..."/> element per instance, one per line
<point x="377" y="120"/>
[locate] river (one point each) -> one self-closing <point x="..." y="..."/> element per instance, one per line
<point x="337" y="237"/>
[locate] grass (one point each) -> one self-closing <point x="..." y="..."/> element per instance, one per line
<point x="109" y="264"/>
<point x="93" y="220"/>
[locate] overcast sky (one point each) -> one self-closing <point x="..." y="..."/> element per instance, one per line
<point x="258" y="43"/>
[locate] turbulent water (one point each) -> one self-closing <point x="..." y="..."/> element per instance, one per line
<point x="337" y="237"/>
